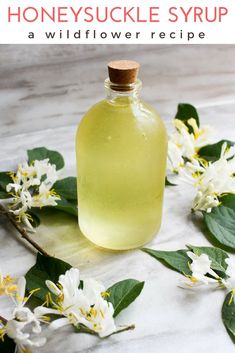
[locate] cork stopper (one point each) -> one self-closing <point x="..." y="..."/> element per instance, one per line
<point x="123" y="72"/>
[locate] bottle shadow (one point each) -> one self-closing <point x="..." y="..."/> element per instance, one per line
<point x="60" y="235"/>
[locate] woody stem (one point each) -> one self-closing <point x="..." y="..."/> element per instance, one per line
<point x="3" y="320"/>
<point x="22" y="231"/>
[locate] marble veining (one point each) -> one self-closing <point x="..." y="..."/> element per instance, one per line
<point x="46" y="86"/>
<point x="41" y="101"/>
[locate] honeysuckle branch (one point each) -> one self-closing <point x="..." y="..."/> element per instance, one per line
<point x="83" y="329"/>
<point x="3" y="320"/>
<point x="22" y="231"/>
<point x="125" y="328"/>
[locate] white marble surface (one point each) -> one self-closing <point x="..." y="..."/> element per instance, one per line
<point x="46" y="86"/>
<point x="168" y="319"/>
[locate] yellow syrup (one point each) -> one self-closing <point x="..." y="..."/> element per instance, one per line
<point x="121" y="148"/>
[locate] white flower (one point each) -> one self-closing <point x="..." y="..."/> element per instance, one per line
<point x="211" y="180"/>
<point x="32" y="187"/>
<point x="174" y="158"/>
<point x="7" y="285"/>
<point x="229" y="283"/>
<point x="205" y="199"/>
<point x="200" y="267"/>
<point x="84" y="306"/>
<point x="15" y="186"/>
<point x="183" y="139"/>
<point x="23" y="335"/>
<point x="31" y="175"/>
<point x="25" y="326"/>
<point x="25" y="200"/>
<point x="46" y="197"/>
<point x="95" y="312"/>
<point x="185" y="144"/>
<point x="45" y="168"/>
<point x="24" y="178"/>
<point x="202" y="136"/>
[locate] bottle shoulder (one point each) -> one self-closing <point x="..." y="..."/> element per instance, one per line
<point x="150" y="112"/>
<point x="149" y="109"/>
<point x="122" y="106"/>
<point x="116" y="113"/>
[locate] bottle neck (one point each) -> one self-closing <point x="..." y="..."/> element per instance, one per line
<point x="122" y="92"/>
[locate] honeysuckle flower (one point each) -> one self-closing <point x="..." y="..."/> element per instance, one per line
<point x="32" y="187"/>
<point x="24" y="201"/>
<point x="183" y="139"/>
<point x="200" y="267"/>
<point x="46" y="197"/>
<point x="212" y="180"/>
<point x="80" y="306"/>
<point x="23" y="313"/>
<point x="31" y="175"/>
<point x="96" y="313"/>
<point x="21" y="203"/>
<point x="7" y="285"/>
<point x="202" y="136"/>
<point x="229" y="282"/>
<point x="184" y="144"/>
<point x="25" y="326"/>
<point x="206" y="199"/>
<point x="23" y="335"/>
<point x="174" y="158"/>
<point x="24" y="178"/>
<point x="45" y="168"/>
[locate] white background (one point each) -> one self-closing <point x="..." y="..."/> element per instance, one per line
<point x="220" y="33"/>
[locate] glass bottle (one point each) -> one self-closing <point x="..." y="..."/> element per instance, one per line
<point x="121" y="147"/>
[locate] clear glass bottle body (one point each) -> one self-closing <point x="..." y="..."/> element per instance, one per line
<point x="121" y="147"/>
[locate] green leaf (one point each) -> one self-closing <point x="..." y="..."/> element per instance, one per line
<point x="123" y="293"/>
<point x="41" y="153"/>
<point x="35" y="219"/>
<point x="216" y="255"/>
<point x="176" y="260"/>
<point x="168" y="183"/>
<point x="185" y="112"/>
<point x="228" y="314"/>
<point x="45" y="268"/>
<point x="221" y="224"/>
<point x="4" y="195"/>
<point x="66" y="188"/>
<point x="212" y="152"/>
<point x="228" y="201"/>
<point x="66" y="206"/>
<point x="5" y="179"/>
<point x="8" y="345"/>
